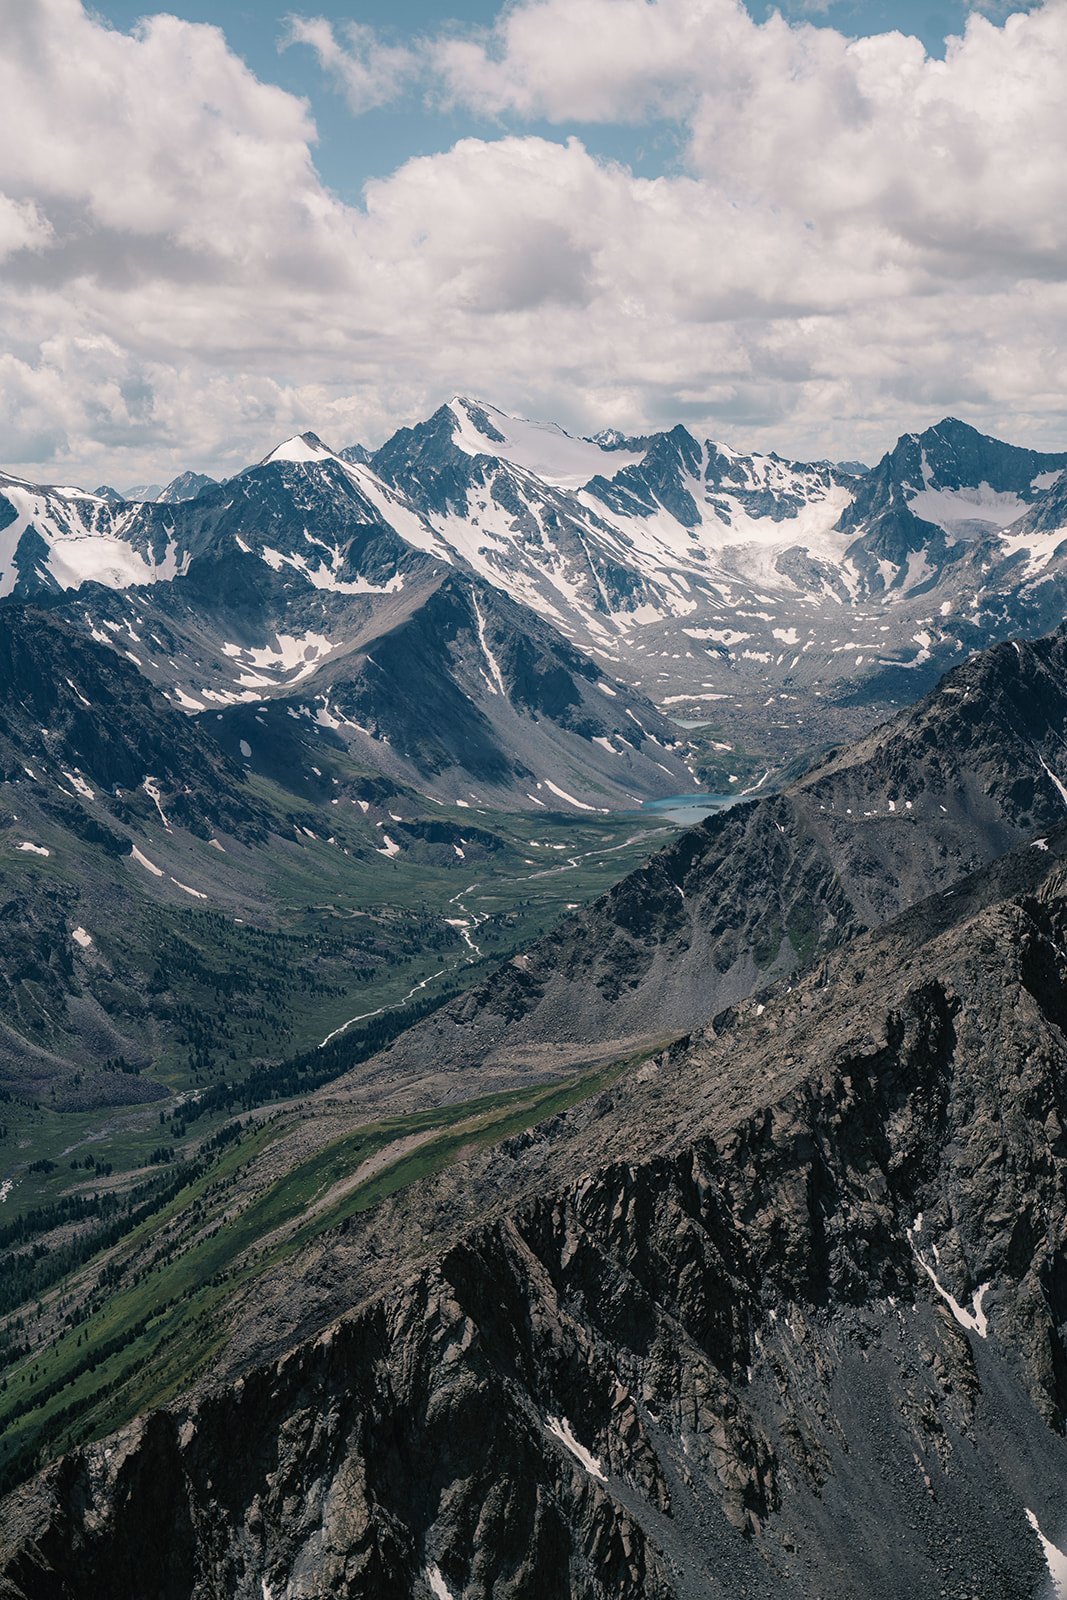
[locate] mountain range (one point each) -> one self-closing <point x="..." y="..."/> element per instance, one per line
<point x="771" y="1304"/>
<point x="426" y="1169"/>
<point x="704" y="579"/>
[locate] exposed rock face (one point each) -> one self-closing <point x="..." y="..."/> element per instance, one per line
<point x="780" y="1314"/>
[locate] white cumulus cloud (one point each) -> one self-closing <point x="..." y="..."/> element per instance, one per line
<point x="858" y="239"/>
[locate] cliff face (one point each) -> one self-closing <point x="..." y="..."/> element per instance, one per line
<point x="782" y="1313"/>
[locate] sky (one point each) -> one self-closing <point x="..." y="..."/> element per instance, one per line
<point x="806" y="228"/>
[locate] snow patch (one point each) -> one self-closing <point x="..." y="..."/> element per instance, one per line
<point x="291" y="657"/>
<point x="1055" y="1558"/>
<point x="325" y="574"/>
<point x="78" y="693"/>
<point x="542" y="448"/>
<point x="438" y="1587"/>
<point x="80" y="936"/>
<point x="76" y="781"/>
<point x="143" y="861"/>
<point x="953" y="509"/>
<point x="495" y="681"/>
<point x="397" y="514"/>
<point x="563" y="795"/>
<point x="684" y="699"/>
<point x="1062" y="790"/>
<point x="975" y="1320"/>
<point x="186" y="889"/>
<point x="561" y="1428"/>
<point x="301" y="448"/>
<point x="187" y="702"/>
<point x="34" y="849"/>
<point x="151" y="789"/>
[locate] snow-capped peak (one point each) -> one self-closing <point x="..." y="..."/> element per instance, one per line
<point x="607" y="438"/>
<point x="543" y="448"/>
<point x="300" y="448"/>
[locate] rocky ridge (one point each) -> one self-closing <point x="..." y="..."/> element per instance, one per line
<point x="779" y="1313"/>
<point x="768" y="886"/>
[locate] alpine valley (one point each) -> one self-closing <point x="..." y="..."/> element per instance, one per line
<point x="430" y="1169"/>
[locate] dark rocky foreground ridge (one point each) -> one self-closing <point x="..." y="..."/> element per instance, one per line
<point x="692" y="1338"/>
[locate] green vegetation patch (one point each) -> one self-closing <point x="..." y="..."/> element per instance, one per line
<point x="157" y="1313"/>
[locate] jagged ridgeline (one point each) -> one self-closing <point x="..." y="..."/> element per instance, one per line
<point x="714" y="1244"/>
<point x="701" y="575"/>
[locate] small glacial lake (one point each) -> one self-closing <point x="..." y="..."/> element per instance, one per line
<point x="688" y="807"/>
